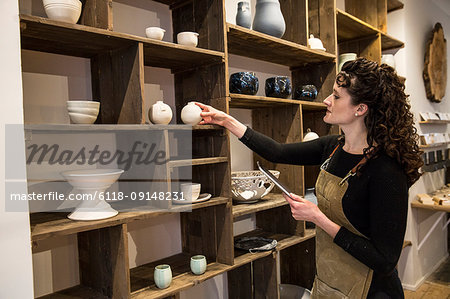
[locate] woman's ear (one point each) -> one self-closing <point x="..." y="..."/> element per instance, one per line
<point x="362" y="109"/>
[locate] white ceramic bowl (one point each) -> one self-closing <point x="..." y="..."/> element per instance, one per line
<point x="80" y="118"/>
<point x="63" y="10"/>
<point x="388" y="59"/>
<point x="92" y="178"/>
<point x="187" y="38"/>
<point x="251" y="186"/>
<point x="290" y="291"/>
<point x="83" y="104"/>
<point x="82" y="110"/>
<point x="155" y="33"/>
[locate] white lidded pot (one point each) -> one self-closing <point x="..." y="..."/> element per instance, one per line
<point x="160" y="113"/>
<point x="310" y="135"/>
<point x="315" y="43"/>
<point x="388" y="59"/>
<point x="190" y="114"/>
<point x="343" y="58"/>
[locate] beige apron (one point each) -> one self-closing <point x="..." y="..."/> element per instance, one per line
<point x="339" y="275"/>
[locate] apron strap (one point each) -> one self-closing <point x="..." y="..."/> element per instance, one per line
<point x="352" y="171"/>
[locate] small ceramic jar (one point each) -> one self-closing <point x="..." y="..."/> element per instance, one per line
<point x="244" y="83"/>
<point x="306" y="93"/>
<point x="155" y="33"/>
<point x="160" y="113"/>
<point x="187" y="38"/>
<point x="244" y="16"/>
<point x="310" y="135"/>
<point x="278" y="87"/>
<point x="190" y="114"/>
<point x="315" y="43"/>
<point x="198" y="264"/>
<point x="162" y="276"/>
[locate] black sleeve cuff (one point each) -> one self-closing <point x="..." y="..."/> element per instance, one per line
<point x="247" y="136"/>
<point x="344" y="238"/>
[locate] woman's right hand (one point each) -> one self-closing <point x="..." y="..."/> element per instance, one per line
<point x="213" y="116"/>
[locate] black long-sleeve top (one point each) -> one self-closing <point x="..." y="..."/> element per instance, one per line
<point x="375" y="203"/>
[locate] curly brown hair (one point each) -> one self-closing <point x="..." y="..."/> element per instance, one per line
<point x="389" y="121"/>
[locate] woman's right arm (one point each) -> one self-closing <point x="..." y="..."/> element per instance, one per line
<point x="211" y="115"/>
<point x="300" y="153"/>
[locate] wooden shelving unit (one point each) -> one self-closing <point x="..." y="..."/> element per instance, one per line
<point x="117" y="62"/>
<point x="253" y="44"/>
<point x="435" y="121"/>
<point x="433" y="145"/>
<point x="419" y="205"/>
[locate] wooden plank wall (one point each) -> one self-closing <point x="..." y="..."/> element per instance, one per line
<point x="295" y="16"/>
<point x="97" y="13"/>
<point x="103" y="260"/>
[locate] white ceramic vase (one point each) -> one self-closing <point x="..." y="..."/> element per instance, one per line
<point x="190" y="114"/>
<point x="160" y="113"/>
<point x="269" y="18"/>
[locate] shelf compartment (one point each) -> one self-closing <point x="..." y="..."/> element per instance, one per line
<point x="393" y="5"/>
<point x="194" y="162"/>
<point x="77" y="292"/>
<point x="250" y="102"/>
<point x="47" y="225"/>
<point x="45" y="35"/>
<point x="351" y="28"/>
<point x="271" y="200"/>
<point x="76" y="128"/>
<point x="248" y="43"/>
<point x="284" y="241"/>
<point x="142" y="282"/>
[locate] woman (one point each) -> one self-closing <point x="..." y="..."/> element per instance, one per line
<point x="362" y="188"/>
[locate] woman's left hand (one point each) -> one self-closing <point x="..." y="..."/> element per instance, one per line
<point x="302" y="209"/>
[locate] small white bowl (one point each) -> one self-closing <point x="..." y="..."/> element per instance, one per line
<point x="188" y="38"/>
<point x="155" y="33"/>
<point x="63" y="10"/>
<point x="80" y="118"/>
<point x="83" y="110"/>
<point x="83" y="104"/>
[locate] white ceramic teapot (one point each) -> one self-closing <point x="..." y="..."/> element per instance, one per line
<point x="190" y="114"/>
<point x="160" y="113"/>
<point x="310" y="135"/>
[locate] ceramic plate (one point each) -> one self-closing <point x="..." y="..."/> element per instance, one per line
<point x="202" y="197"/>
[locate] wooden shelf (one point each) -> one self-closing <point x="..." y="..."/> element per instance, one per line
<point x="141" y="277"/>
<point x="270" y="201"/>
<point x="435" y="121"/>
<point x="77" y="292"/>
<point x="251" y="102"/>
<point x="256" y="45"/>
<point x="200" y="161"/>
<point x="284" y="241"/>
<point x="74" y="128"/>
<point x="47" y="225"/>
<point x="394" y="5"/>
<point x="351" y="28"/>
<point x="45" y="35"/>
<point x="433" y="145"/>
<point x="417" y="204"/>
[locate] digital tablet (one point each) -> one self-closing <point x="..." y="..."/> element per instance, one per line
<point x="271" y="177"/>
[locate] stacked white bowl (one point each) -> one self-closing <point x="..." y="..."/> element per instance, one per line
<point x="83" y="112"/>
<point x="63" y="10"/>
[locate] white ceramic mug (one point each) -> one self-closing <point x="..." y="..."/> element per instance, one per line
<point x="388" y="59"/>
<point x="155" y="33"/>
<point x="191" y="191"/>
<point x="162" y="276"/>
<point x="198" y="264"/>
<point x="187" y="38"/>
<point x="343" y="58"/>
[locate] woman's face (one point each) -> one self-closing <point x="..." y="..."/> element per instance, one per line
<point x="340" y="110"/>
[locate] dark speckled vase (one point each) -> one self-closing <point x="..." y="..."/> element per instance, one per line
<point x="244" y="83"/>
<point x="278" y="87"/>
<point x="306" y="93"/>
